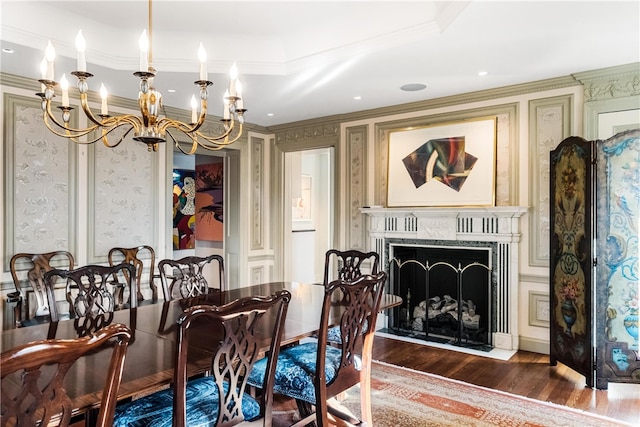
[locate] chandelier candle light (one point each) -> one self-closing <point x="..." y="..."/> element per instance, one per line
<point x="149" y="128"/>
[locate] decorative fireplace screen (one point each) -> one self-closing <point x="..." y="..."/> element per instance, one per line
<point x="446" y="292"/>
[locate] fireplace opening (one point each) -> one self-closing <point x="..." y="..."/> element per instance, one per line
<point x="446" y="292"/>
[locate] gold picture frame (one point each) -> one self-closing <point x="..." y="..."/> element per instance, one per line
<point x="448" y="164"/>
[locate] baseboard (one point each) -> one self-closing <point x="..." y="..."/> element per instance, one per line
<point x="534" y="345"/>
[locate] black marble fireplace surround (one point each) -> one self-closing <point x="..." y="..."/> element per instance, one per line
<point x="448" y="291"/>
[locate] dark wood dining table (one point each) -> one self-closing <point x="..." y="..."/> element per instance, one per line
<point x="150" y="356"/>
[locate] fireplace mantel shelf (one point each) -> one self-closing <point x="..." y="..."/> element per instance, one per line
<point x="496" y="211"/>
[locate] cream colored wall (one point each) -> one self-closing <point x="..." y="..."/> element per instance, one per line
<point x="532" y="119"/>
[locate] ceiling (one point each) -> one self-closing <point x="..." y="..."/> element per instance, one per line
<point x="306" y="59"/>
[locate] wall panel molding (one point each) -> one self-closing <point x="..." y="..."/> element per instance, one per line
<point x="550" y="122"/>
<point x="39" y="182"/>
<point x="356" y="162"/>
<point x="256" y="166"/>
<point x="506" y="149"/>
<point x="123" y="184"/>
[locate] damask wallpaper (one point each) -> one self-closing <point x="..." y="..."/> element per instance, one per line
<point x="41" y="188"/>
<point x="123" y="196"/>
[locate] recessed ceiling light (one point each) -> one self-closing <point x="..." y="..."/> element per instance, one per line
<point x="171" y="90"/>
<point x="357" y="98"/>
<point x="412" y="87"/>
<point x="7" y="50"/>
<point x="482" y="73"/>
<point x="270" y="114"/>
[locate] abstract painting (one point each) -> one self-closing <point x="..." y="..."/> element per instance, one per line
<point x="184" y="209"/>
<point x="209" y="200"/>
<point x="443" y="165"/>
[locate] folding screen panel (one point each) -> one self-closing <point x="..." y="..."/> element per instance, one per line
<point x="595" y="206"/>
<point x="617" y="222"/>
<point x="570" y="256"/>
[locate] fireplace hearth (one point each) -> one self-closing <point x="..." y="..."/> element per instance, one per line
<point x="462" y="258"/>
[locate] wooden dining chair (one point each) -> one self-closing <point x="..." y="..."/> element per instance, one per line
<point x="142" y="258"/>
<point x="313" y="372"/>
<point x="33" y="392"/>
<point x="27" y="272"/>
<point x="347" y="265"/>
<point x="87" y="290"/>
<point x="184" y="278"/>
<point x="238" y="330"/>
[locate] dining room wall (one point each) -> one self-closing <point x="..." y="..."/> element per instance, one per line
<point x="532" y="119"/>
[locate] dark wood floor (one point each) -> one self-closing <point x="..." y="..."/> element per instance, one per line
<point x="525" y="374"/>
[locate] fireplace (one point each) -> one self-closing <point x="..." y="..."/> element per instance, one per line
<point x="447" y="291"/>
<point x="451" y="256"/>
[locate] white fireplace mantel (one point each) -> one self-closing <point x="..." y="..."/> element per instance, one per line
<point x="499" y="225"/>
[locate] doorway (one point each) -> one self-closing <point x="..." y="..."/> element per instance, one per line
<point x="308" y="213"/>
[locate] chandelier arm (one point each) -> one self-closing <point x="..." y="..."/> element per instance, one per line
<point x="48" y="114"/>
<point x="106" y="131"/>
<point x="109" y="121"/>
<point x="194" y="145"/>
<point x="105" y="140"/>
<point x="68" y="133"/>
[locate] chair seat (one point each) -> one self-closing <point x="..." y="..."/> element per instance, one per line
<point x="156" y="410"/>
<point x="296" y="371"/>
<point x="335" y="336"/>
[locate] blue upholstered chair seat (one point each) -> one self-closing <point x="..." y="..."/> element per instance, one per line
<point x="156" y="410"/>
<point x="296" y="370"/>
<point x="334" y="335"/>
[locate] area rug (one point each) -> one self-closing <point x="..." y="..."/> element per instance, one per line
<point x="403" y="397"/>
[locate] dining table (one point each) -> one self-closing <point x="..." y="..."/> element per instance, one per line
<point x="151" y="352"/>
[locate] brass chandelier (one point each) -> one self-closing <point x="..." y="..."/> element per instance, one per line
<point x="152" y="127"/>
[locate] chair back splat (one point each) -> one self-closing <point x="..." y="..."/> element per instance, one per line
<point x="185" y="278"/>
<point x="138" y="256"/>
<point x="349" y="264"/>
<point x="33" y="394"/>
<point x="87" y="290"/>
<point x="27" y="272"/>
<point x="236" y="333"/>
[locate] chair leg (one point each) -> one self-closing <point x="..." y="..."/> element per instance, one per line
<point x="365" y="381"/>
<point x="306" y="411"/>
<point x="341" y="416"/>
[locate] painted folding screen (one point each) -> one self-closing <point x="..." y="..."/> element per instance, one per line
<point x="617" y="230"/>
<point x="595" y="206"/>
<point x="571" y="256"/>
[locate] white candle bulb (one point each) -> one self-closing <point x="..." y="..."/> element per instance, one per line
<point x="202" y="56"/>
<point x="81" y="46"/>
<point x="103" y="94"/>
<point x="239" y="103"/>
<point x="43" y="68"/>
<point x="194" y="111"/>
<point x="233" y="74"/>
<point x="50" y="54"/>
<point x="143" y="42"/>
<point x="64" y="85"/>
<point x="225" y="100"/>
<point x="43" y="73"/>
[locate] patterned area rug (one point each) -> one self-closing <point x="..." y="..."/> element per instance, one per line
<point x="407" y="398"/>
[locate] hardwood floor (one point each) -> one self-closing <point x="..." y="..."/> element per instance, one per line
<point x="525" y="374"/>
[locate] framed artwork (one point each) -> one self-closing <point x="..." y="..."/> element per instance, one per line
<point x="451" y="164"/>
<point x="301" y="206"/>
<point x="209" y="200"/>
<point x="184" y="209"/>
